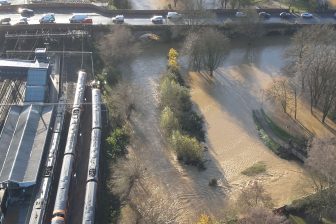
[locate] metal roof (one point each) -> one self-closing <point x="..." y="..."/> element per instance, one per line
<point x="35" y="93"/>
<point x="24" y="153"/>
<point x="23" y="64"/>
<point x="37" y="77"/>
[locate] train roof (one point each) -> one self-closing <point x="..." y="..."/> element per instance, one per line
<point x="22" y="142"/>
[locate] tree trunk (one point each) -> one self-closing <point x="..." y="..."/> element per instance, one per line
<point x="211" y="72"/>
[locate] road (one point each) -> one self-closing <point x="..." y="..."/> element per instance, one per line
<point x="62" y="16"/>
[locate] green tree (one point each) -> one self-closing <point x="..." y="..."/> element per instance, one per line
<point x="168" y="121"/>
<point x="188" y="149"/>
<point x="117" y="142"/>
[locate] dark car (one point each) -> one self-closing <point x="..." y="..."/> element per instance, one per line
<point x="47" y="18"/>
<point x="264" y="15"/>
<point x="80" y="19"/>
<point x="26" y="12"/>
<point x="285" y="15"/>
<point x="5" y="21"/>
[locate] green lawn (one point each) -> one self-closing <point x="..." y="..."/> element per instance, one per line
<point x="255" y="169"/>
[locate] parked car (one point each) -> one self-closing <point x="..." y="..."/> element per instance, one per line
<point x="47" y="18"/>
<point x="26" y="12"/>
<point x="4" y="2"/>
<point x="79" y="18"/>
<point x="285" y="15"/>
<point x="157" y="19"/>
<point x="240" y="14"/>
<point x="23" y="21"/>
<point x="174" y="16"/>
<point x="5" y="21"/>
<point x="118" y="19"/>
<point x="264" y="15"/>
<point x="306" y="15"/>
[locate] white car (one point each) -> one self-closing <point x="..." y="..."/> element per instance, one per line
<point x="119" y="19"/>
<point x="240" y="14"/>
<point x="157" y="19"/>
<point x="4" y="2"/>
<point x="174" y="15"/>
<point x="306" y="15"/>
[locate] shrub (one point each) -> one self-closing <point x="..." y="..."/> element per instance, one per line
<point x="204" y="219"/>
<point x="111" y="75"/>
<point x="255" y="169"/>
<point x="192" y="123"/>
<point x="213" y="182"/>
<point x="168" y="121"/>
<point x="174" y="95"/>
<point x="187" y="148"/>
<point x="117" y="143"/>
<point x="173" y="53"/>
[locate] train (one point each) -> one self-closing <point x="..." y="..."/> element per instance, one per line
<point x="42" y="197"/>
<point x="93" y="166"/>
<point x="62" y="196"/>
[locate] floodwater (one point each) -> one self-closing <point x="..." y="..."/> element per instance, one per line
<point x="226" y="102"/>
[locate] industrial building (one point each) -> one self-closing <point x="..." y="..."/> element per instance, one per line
<point x="25" y="130"/>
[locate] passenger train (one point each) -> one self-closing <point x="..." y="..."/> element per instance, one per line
<point x="42" y="196"/>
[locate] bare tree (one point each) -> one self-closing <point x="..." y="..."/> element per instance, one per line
<point x="118" y="46"/>
<point x="254" y="195"/>
<point x="195" y="12"/>
<point x="322" y="165"/>
<point x="206" y="49"/>
<point x="280" y="92"/>
<point x="223" y="3"/>
<point x="263" y="216"/>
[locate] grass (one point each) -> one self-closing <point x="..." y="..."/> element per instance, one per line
<point x="296" y="219"/>
<point x="281" y="133"/>
<point x="255" y="169"/>
<point x="265" y="138"/>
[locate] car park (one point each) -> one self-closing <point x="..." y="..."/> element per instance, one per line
<point x="174" y="16"/>
<point x="285" y="15"/>
<point x="4" y="2"/>
<point x="306" y="15"/>
<point x="5" y="21"/>
<point x="118" y="19"/>
<point x="47" y="18"/>
<point x="240" y="14"/>
<point x="157" y="19"/>
<point x="264" y="15"/>
<point x="80" y="18"/>
<point x="23" y="21"/>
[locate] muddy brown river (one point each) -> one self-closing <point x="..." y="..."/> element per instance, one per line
<point x="226" y="101"/>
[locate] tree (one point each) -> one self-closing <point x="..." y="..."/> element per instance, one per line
<point x="188" y="149"/>
<point x="321" y="163"/>
<point x="118" y="46"/>
<point x="281" y="91"/>
<point x="195" y="12"/>
<point x="254" y="195"/>
<point x="168" y="121"/>
<point x="262" y="216"/>
<point x="223" y="3"/>
<point x="206" y="49"/>
<point x="174" y="96"/>
<point x="117" y="143"/>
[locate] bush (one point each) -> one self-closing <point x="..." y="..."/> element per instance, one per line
<point x="111" y="75"/>
<point x="187" y="148"/>
<point x="117" y="143"/>
<point x="204" y="219"/>
<point x="168" y="121"/>
<point x="213" y="182"/>
<point x="192" y="123"/>
<point x="174" y="95"/>
<point x="255" y="169"/>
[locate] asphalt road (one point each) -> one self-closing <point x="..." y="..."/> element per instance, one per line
<point x="63" y="17"/>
